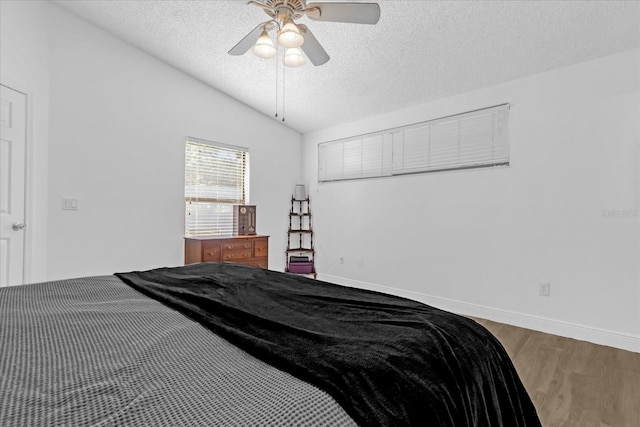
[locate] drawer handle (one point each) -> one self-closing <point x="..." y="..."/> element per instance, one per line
<point x="246" y="246"/>
<point x="212" y="253"/>
<point x="229" y="247"/>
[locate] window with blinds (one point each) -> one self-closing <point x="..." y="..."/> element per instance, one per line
<point x="216" y="178"/>
<point x="470" y="140"/>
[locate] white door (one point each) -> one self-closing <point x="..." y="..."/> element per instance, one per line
<point x="12" y="185"/>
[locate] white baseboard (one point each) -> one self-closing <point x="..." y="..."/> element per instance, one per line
<point x="551" y="326"/>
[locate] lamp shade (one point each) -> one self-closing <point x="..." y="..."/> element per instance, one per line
<point x="289" y="35"/>
<point x="293" y="57"/>
<point x="264" y="47"/>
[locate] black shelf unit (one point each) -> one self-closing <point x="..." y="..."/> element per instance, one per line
<point x="300" y="238"/>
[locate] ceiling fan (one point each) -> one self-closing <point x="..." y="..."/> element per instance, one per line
<point x="294" y="37"/>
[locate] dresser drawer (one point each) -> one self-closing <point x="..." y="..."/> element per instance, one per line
<point x="259" y="262"/>
<point x="211" y="252"/>
<point x="230" y="245"/>
<point x="261" y="248"/>
<point x="237" y="255"/>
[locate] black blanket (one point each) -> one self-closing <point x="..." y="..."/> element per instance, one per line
<point x="387" y="360"/>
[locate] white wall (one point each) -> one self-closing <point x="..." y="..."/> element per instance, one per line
<point x="478" y="242"/>
<point x="117" y="123"/>
<point x="111" y="121"/>
<point x="24" y="66"/>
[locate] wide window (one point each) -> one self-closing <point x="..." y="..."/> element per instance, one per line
<point x="216" y="178"/>
<point x="469" y="140"/>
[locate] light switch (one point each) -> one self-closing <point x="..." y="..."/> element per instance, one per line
<point x="69" y="204"/>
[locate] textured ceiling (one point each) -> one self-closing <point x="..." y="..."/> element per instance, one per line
<point x="419" y="50"/>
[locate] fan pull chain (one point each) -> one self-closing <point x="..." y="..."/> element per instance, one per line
<point x="277" y="55"/>
<point x="284" y="80"/>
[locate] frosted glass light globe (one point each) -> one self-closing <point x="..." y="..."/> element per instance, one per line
<point x="289" y="36"/>
<point x="264" y="47"/>
<point x="293" y="57"/>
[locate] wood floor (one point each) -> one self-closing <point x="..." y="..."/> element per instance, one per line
<point x="574" y="383"/>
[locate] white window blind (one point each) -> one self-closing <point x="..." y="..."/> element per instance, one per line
<point x="216" y="178"/>
<point x="365" y="157"/>
<point x="469" y="140"/>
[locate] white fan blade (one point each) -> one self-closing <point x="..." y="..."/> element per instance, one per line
<point x="355" y="13"/>
<point x="247" y="42"/>
<point x="264" y="6"/>
<point x="312" y="48"/>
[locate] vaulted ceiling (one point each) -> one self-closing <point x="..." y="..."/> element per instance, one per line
<point x="419" y="50"/>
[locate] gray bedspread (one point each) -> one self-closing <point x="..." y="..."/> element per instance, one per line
<point x="95" y="352"/>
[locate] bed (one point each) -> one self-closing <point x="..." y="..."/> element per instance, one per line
<point x="219" y="344"/>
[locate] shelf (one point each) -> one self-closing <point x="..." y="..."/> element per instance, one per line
<point x="300" y="234"/>
<point x="313" y="273"/>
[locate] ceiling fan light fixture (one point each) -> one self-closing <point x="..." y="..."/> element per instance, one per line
<point x="289" y="36"/>
<point x="264" y="47"/>
<point x="293" y="57"/>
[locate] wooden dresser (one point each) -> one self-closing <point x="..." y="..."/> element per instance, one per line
<point x="250" y="250"/>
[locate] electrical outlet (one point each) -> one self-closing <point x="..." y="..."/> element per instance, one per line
<point x="544" y="289"/>
<point x="341" y="260"/>
<point x="69" y="204"/>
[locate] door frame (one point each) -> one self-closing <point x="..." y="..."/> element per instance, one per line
<point x="28" y="183"/>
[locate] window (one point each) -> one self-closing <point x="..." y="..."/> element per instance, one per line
<point x="216" y="178"/>
<point x="469" y="140"/>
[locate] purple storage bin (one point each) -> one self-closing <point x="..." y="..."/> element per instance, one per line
<point x="301" y="267"/>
